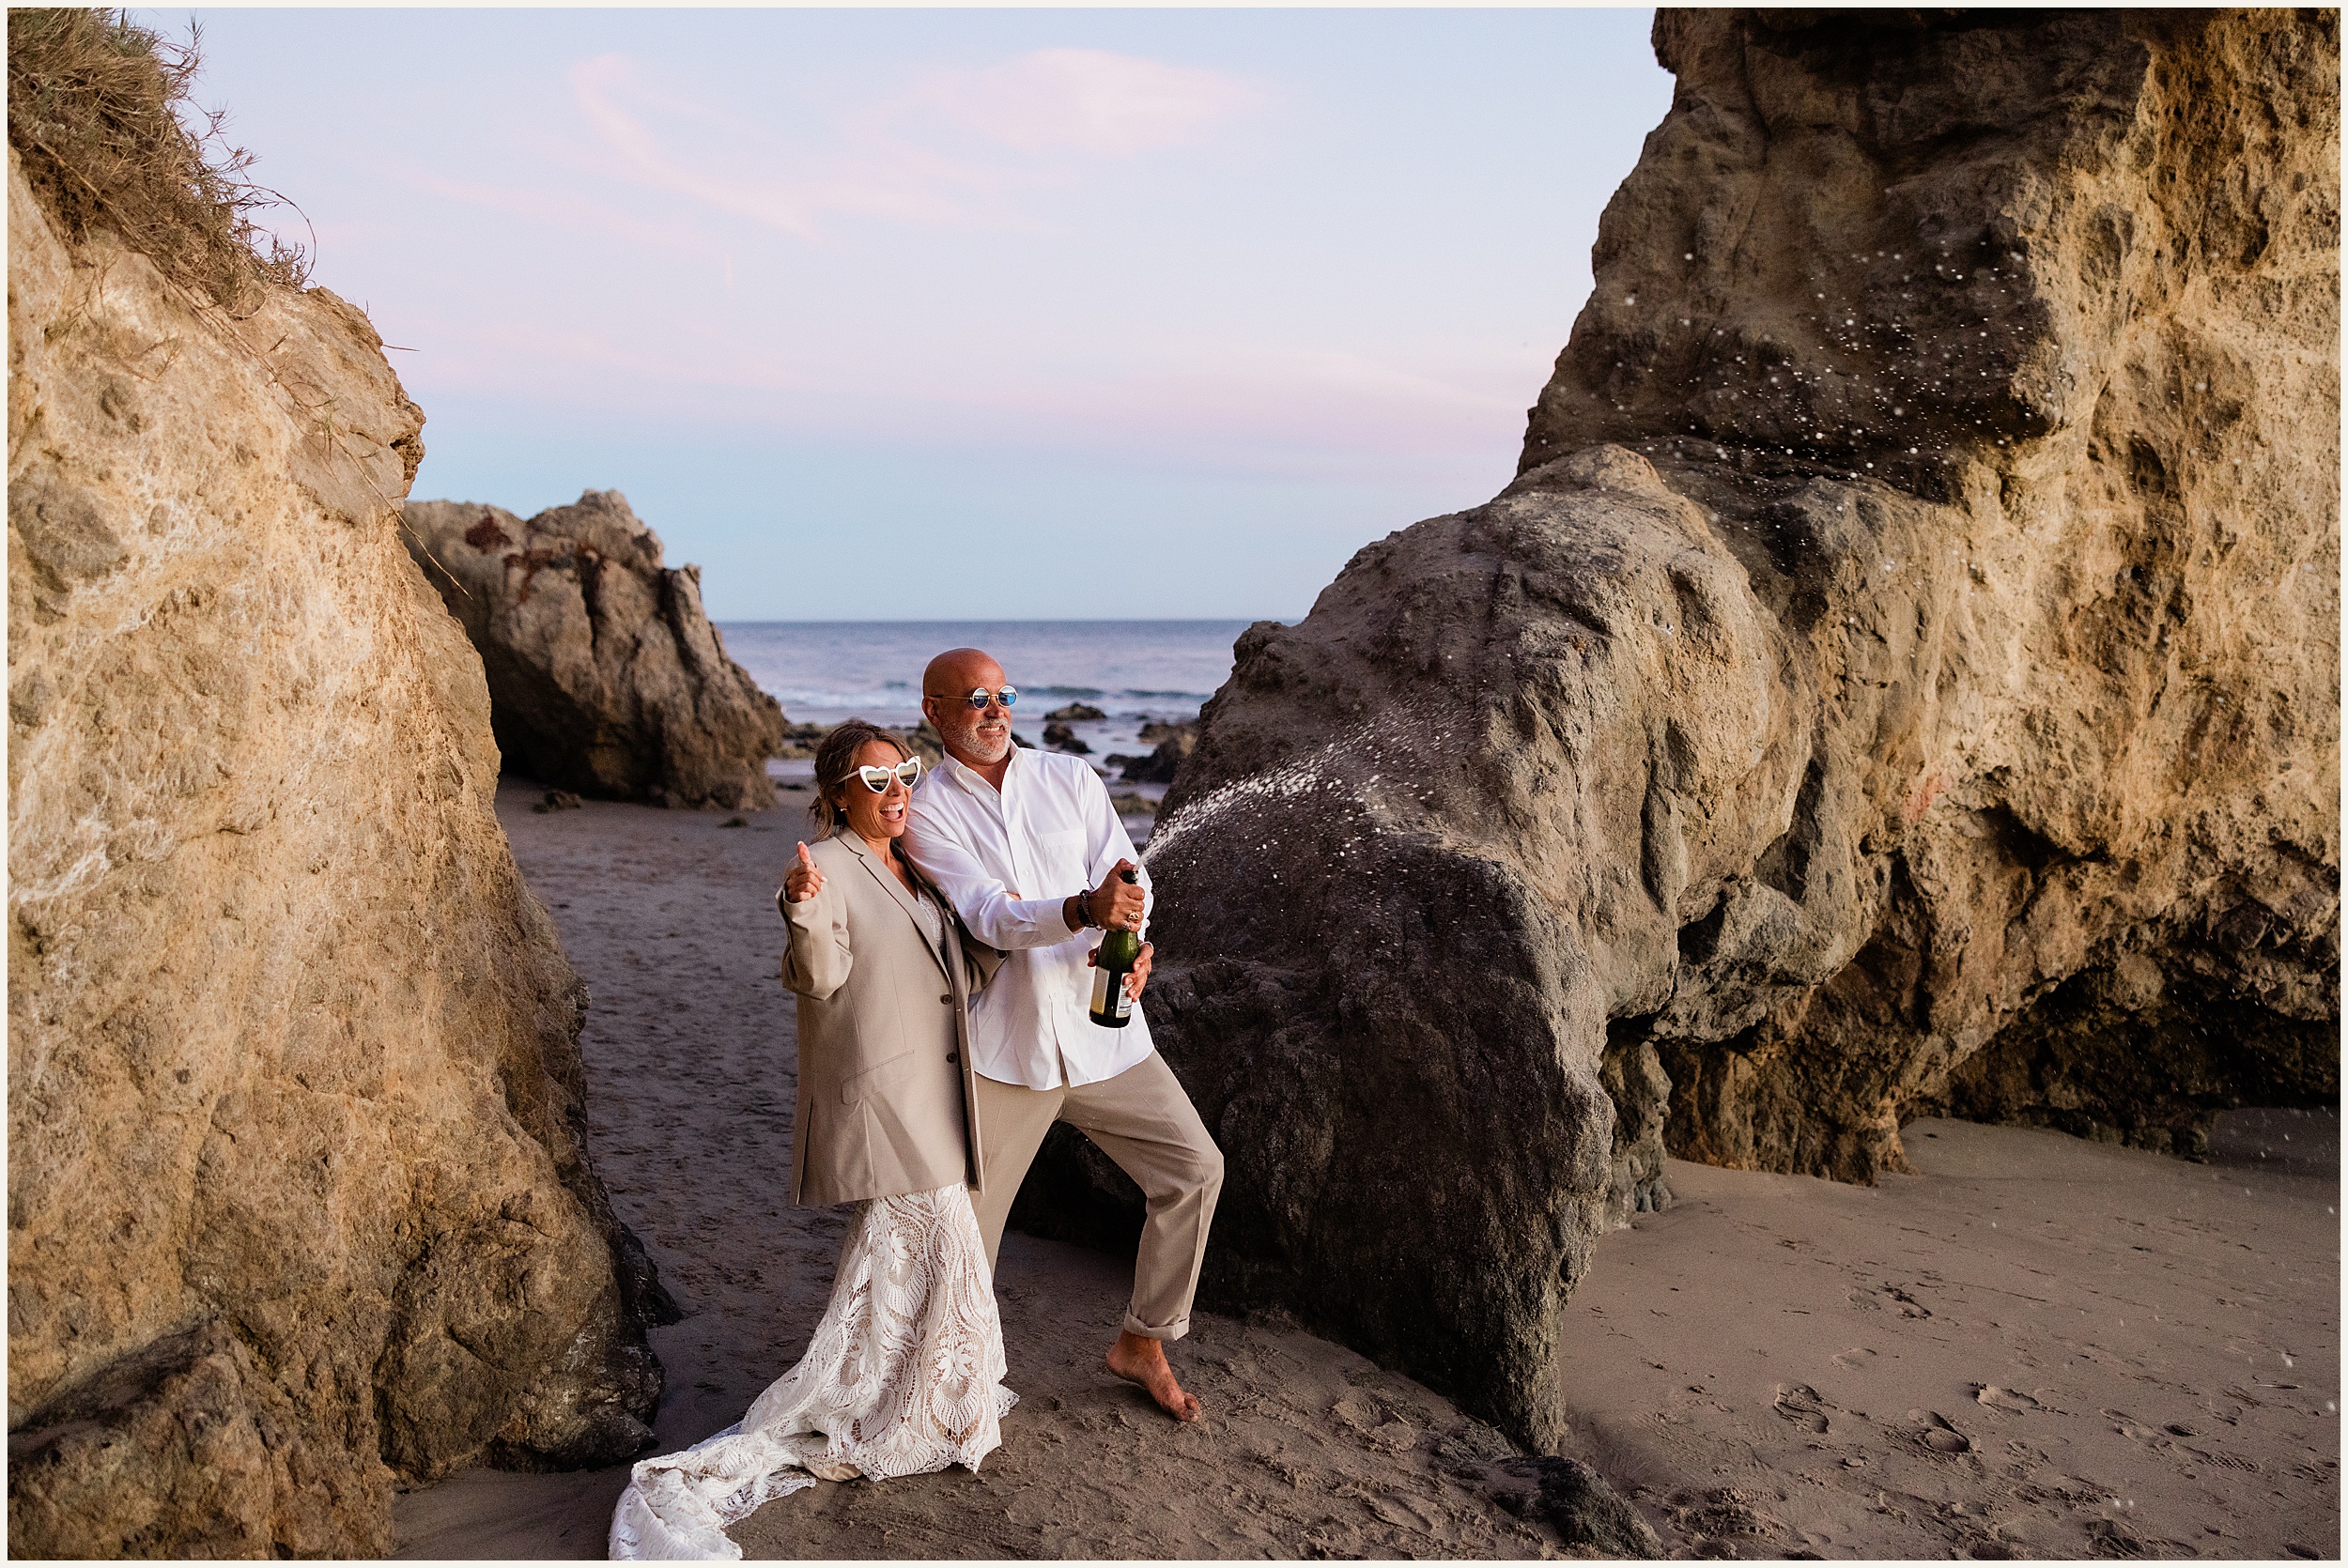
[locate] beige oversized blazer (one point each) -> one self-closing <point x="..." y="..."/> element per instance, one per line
<point x="887" y="1098"/>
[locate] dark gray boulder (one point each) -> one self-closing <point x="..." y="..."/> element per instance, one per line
<point x="1174" y="745"/>
<point x="1574" y="1501"/>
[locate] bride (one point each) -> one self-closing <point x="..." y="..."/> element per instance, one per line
<point x="904" y="1374"/>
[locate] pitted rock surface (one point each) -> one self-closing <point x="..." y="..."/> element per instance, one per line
<point x="605" y="674"/>
<point x="1904" y="675"/>
<point x="299" y="1205"/>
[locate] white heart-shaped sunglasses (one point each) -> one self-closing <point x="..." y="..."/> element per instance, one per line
<point x="877" y="778"/>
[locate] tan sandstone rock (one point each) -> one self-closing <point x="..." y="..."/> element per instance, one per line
<point x="298" y="1203"/>
<point x="605" y="674"/>
<point x="1904" y="675"/>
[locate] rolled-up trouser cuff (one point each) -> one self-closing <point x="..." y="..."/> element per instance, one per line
<point x="1175" y="1330"/>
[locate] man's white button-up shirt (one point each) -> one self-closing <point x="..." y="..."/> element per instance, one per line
<point x="1007" y="861"/>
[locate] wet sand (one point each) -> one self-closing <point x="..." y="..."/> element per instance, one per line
<point x="1773" y="1366"/>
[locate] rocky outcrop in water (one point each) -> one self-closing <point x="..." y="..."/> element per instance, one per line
<point x="605" y="674"/>
<point x="299" y="1200"/>
<point x="1903" y="674"/>
<point x="1171" y="745"/>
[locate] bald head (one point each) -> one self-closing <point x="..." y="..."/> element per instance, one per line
<point x="976" y="738"/>
<point x="958" y="670"/>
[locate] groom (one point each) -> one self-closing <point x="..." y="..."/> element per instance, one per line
<point x="1027" y="848"/>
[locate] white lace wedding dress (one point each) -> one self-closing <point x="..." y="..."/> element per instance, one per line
<point x="903" y="1377"/>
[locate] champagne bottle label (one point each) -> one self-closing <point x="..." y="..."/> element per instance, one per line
<point x="1113" y="960"/>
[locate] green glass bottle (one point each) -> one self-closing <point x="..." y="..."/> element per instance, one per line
<point x="1112" y="1006"/>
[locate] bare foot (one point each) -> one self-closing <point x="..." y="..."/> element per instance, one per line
<point x="1139" y="1359"/>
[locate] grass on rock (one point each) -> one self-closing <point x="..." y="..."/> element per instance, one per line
<point x="95" y="113"/>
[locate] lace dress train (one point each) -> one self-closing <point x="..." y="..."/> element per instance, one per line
<point x="903" y="1377"/>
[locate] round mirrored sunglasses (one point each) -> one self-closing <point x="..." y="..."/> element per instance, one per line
<point x="980" y="696"/>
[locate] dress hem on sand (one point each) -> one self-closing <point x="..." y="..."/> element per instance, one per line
<point x="902" y="1376"/>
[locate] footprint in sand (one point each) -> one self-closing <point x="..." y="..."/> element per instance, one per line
<point x="1857" y="1356"/>
<point x="1937" y="1434"/>
<point x="1377" y="1425"/>
<point x="1799" y="1404"/>
<point x="2009" y="1399"/>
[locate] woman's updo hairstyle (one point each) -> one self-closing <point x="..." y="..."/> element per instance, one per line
<point x="835" y="769"/>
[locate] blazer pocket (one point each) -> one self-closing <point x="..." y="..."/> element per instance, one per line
<point x="879" y="1076"/>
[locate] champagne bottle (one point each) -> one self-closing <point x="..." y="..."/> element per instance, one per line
<point x="1112" y="962"/>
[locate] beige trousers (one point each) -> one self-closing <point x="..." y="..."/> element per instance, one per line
<point x="1143" y="1121"/>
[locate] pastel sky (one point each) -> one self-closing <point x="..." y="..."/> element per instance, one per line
<point x="959" y="314"/>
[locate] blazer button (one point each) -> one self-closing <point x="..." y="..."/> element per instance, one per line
<point x="948" y="999"/>
<point x="952" y="1057"/>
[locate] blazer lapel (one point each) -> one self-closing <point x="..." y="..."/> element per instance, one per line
<point x="896" y="890"/>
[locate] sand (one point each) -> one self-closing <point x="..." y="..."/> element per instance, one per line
<point x="2036" y="1347"/>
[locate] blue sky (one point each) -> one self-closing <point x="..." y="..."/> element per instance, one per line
<point x="959" y="313"/>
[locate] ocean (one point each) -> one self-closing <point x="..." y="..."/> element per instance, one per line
<point x="823" y="671"/>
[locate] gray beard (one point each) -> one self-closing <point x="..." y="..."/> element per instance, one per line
<point x="977" y="747"/>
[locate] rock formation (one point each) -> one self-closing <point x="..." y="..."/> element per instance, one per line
<point x="1172" y="745"/>
<point x="605" y="675"/>
<point x="1579" y="1504"/>
<point x="298" y="1201"/>
<point x="1903" y="674"/>
<point x="799" y="741"/>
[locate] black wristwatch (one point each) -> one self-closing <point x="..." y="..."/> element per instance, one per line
<point x="1084" y="910"/>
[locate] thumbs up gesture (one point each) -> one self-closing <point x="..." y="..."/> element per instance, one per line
<point x="804" y="881"/>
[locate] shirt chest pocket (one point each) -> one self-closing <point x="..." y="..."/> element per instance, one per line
<point x="1061" y="863"/>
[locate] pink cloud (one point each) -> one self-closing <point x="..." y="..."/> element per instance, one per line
<point x="1086" y="100"/>
<point x="558" y="208"/>
<point x="686" y="370"/>
<point x="947" y="151"/>
<point x="1310" y="406"/>
<point x="1224" y="405"/>
<point x="598" y="86"/>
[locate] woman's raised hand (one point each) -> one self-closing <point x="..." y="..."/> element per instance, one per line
<point x="804" y="881"/>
